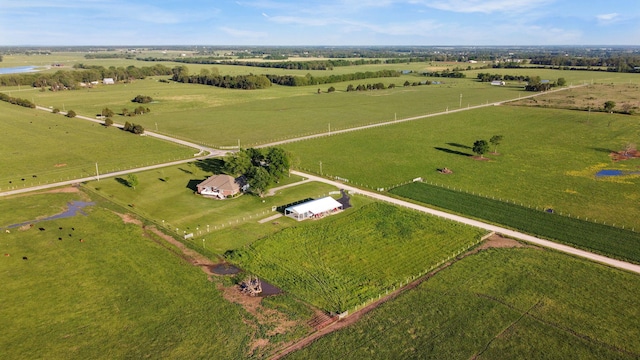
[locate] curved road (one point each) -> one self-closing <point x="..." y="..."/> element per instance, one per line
<point x="489" y="227"/>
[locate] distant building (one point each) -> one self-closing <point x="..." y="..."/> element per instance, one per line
<point x="108" y="81"/>
<point x="405" y="72"/>
<point x="498" y="83"/>
<point x="222" y="186"/>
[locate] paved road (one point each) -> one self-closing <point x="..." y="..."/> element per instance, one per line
<point x="489" y="227"/>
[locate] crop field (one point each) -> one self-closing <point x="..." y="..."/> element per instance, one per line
<point x="92" y="285"/>
<point x="353" y="257"/>
<point x="500" y="304"/>
<point x="167" y="197"/>
<point x="607" y="240"/>
<point x="40" y="147"/>
<point x="548" y="158"/>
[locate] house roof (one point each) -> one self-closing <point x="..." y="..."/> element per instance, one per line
<point x="223" y="182"/>
<point x="317" y="206"/>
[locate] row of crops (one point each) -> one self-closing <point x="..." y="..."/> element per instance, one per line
<point x="344" y="260"/>
<point x="608" y="240"/>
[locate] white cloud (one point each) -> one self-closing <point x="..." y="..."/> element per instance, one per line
<point x="243" y="33"/>
<point x="484" y="6"/>
<point x="608" y="18"/>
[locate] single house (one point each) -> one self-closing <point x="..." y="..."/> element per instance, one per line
<point x="498" y="83"/>
<point x="108" y="81"/>
<point x="313" y="208"/>
<point x="222" y="186"/>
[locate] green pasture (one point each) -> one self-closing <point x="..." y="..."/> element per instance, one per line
<point x="548" y="158"/>
<point x="500" y="304"/>
<point x="40" y="147"/>
<point x="605" y="239"/>
<point x="28" y="208"/>
<point x="93" y="287"/>
<point x="349" y="258"/>
<point x="573" y="77"/>
<point x="221" y="117"/>
<point x="167" y="197"/>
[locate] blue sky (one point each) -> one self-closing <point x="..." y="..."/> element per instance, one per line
<point x="326" y="22"/>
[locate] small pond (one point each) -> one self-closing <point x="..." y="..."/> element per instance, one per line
<point x="616" y="173"/>
<point x="18" y="69"/>
<point x="73" y="208"/>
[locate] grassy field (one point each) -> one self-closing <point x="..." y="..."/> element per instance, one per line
<point x="607" y="240"/>
<point x="167" y="196"/>
<point x="501" y="304"/>
<point x="95" y="298"/>
<point x="40" y="147"/>
<point x="350" y="258"/>
<point x="548" y="158"/>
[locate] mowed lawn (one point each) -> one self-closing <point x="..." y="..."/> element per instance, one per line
<point x="500" y="304"/>
<point x="93" y="287"/>
<point x="548" y="158"/>
<point x="347" y="259"/>
<point x="40" y="147"/>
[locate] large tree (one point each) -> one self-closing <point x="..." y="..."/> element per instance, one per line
<point x="480" y="147"/>
<point x="132" y="181"/>
<point x="609" y="105"/>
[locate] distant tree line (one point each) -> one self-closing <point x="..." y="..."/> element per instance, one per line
<point x="613" y="63"/>
<point x="291" y="80"/>
<point x="247" y="82"/>
<point x="455" y="73"/>
<point x="84" y="73"/>
<point x="142" y="99"/>
<point x="368" y="87"/>
<point x="108" y="56"/>
<point x="17" y="101"/>
<point x="487" y="77"/>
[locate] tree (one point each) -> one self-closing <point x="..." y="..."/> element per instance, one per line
<point x="71" y="114"/>
<point x="107" y="112"/>
<point x="237" y="164"/>
<point x="137" y="129"/>
<point x="278" y="163"/>
<point x="350" y="88"/>
<point x="55" y="110"/>
<point x="142" y="99"/>
<point x="258" y="179"/>
<point x="132" y="181"/>
<point x="108" y="122"/>
<point x="495" y="140"/>
<point x="609" y="105"/>
<point x="561" y="81"/>
<point x="406" y="83"/>
<point x="331" y="89"/>
<point x="127" y="126"/>
<point x="480" y="147"/>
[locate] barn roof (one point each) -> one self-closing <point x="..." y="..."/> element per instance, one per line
<point x="317" y="206"/>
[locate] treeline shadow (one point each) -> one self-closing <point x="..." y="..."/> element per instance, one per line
<point x="193" y="184"/>
<point x="460" y="145"/>
<point x="604" y="150"/>
<point x="454" y="152"/>
<point x="123" y="182"/>
<point x="214" y="166"/>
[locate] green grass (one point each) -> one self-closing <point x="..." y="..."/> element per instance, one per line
<point x="27" y="208"/>
<point x="40" y="147"/>
<point x="548" y="158"/>
<point x="607" y="240"/>
<point x="349" y="258"/>
<point x="115" y="295"/>
<point x="500" y="304"/>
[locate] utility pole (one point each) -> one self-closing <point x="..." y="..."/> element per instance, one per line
<point x="460" y="101"/>
<point x="320" y="168"/>
<point x="238" y="144"/>
<point x="329" y="129"/>
<point x="97" y="172"/>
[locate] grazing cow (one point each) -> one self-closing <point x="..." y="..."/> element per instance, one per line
<point x="24" y="258"/>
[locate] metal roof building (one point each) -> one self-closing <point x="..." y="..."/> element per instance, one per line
<point x="313" y="208"/>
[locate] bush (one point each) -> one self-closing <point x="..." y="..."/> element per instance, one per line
<point x="142" y="99"/>
<point x="71" y="114"/>
<point x="55" y="110"/>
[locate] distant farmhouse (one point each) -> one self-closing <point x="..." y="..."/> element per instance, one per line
<point x="222" y="186"/>
<point x="108" y="81"/>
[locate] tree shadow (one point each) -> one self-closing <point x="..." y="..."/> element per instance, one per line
<point x="455" y="152"/>
<point x="193" y="184"/>
<point x="186" y="171"/>
<point x="460" y="145"/>
<point x="214" y="166"/>
<point x="123" y="182"/>
<point x="604" y="150"/>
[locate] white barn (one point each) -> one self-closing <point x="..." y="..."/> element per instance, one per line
<point x="313" y="208"/>
<point x="498" y="83"/>
<point x="108" y="81"/>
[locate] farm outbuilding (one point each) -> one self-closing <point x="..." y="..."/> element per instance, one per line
<point x="108" y="81"/>
<point x="222" y="186"/>
<point x="313" y="208"/>
<point x="498" y="83"/>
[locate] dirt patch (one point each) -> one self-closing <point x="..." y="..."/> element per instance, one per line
<point x="621" y="155"/>
<point x="497" y="241"/>
<point x="68" y="189"/>
<point x="59" y="165"/>
<point x="128" y="219"/>
<point x="480" y="158"/>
